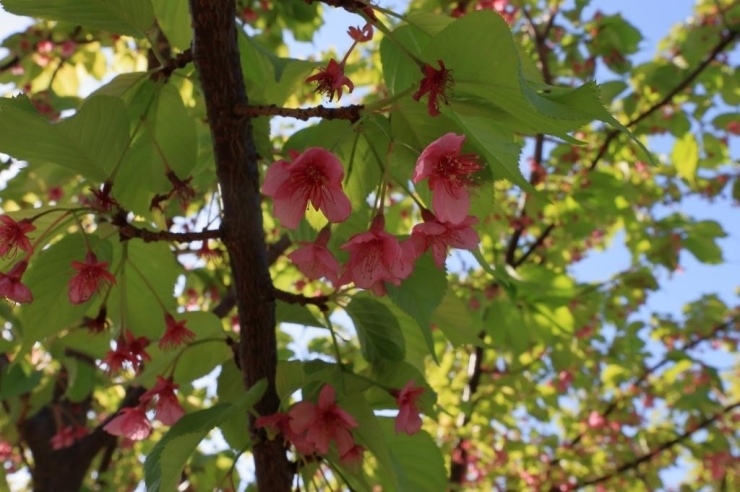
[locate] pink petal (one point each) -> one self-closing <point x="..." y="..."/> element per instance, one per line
<point x="335" y="204"/>
<point x="277" y="174"/>
<point x="302" y="416"/>
<point x="451" y="204"/>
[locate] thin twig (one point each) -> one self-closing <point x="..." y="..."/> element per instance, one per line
<point x="351" y="113"/>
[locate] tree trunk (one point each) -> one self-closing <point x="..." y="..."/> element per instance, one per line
<point x="216" y="57"/>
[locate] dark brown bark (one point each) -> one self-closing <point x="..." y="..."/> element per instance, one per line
<point x="216" y="57"/>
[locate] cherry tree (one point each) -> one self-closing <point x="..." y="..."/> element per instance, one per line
<point x="374" y="295"/>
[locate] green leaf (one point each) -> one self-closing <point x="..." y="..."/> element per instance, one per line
<point x="377" y="329"/>
<point x="234" y="428"/>
<point x="399" y="73"/>
<point x="173" y="17"/>
<point x="289" y="378"/>
<point x="453" y="318"/>
<point x="685" y="157"/>
<point x="164" y="464"/>
<point x="294" y="313"/>
<point x="14" y="381"/>
<point x="126" y="17"/>
<point x="417" y="461"/>
<point x="90" y="143"/>
<point x="421" y="293"/>
<point x="146" y="282"/>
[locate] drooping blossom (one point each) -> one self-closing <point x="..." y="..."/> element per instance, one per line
<point x="352" y="459"/>
<point x="324" y="422"/>
<point x="131" y="423"/>
<point x="175" y="333"/>
<point x="92" y="276"/>
<point x="439" y="236"/>
<point x="438" y="83"/>
<point x="377" y="257"/>
<point x="449" y="176"/>
<point x="167" y="409"/>
<point x="130" y="351"/>
<point x="13" y="236"/>
<point x="331" y="79"/>
<point x="279" y="423"/>
<point x="11" y="286"/>
<point x="408" y="419"/>
<point x="314" y="175"/>
<point x="315" y="261"/>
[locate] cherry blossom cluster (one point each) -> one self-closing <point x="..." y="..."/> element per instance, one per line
<point x="315" y="176"/>
<point x="133" y="423"/>
<point x="312" y="427"/>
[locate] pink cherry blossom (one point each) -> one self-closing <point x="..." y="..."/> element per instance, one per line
<point x="13" y="236"/>
<point x="11" y="286"/>
<point x="175" y="333"/>
<point x="131" y="423"/>
<point x="408" y="419"/>
<point x="352" y="459"/>
<point x="438" y="83"/>
<point x="439" y="236"/>
<point x="279" y="423"/>
<point x="376" y="257"/>
<point x="315" y="261"/>
<point x="331" y="79"/>
<point x="324" y="422"/>
<point x="167" y="410"/>
<point x="449" y="176"/>
<point x="92" y="275"/>
<point x="314" y="175"/>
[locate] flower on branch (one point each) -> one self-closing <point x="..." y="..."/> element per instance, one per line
<point x="279" y="423"/>
<point x="131" y="423"/>
<point x="449" y="176"/>
<point x="168" y="409"/>
<point x="315" y="261"/>
<point x="377" y="257"/>
<point x="129" y="351"/>
<point x="314" y="175"/>
<point x="175" y="333"/>
<point x="439" y="236"/>
<point x="11" y="286"/>
<point x="101" y="200"/>
<point x="331" y="79"/>
<point x="352" y="459"/>
<point x="438" y="83"/>
<point x="13" y="236"/>
<point x="92" y="276"/>
<point x="324" y="422"/>
<point x="408" y="419"/>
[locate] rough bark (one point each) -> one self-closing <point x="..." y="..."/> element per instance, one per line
<point x="216" y="57"/>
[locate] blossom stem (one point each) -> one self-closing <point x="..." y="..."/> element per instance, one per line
<point x="411" y="194"/>
<point x="149" y="286"/>
<point x="169" y="369"/>
<point x="386" y="101"/>
<point x="58" y="223"/>
<point x="387" y="32"/>
<point x="337" y="352"/>
<point x="82" y="230"/>
<point x="138" y="126"/>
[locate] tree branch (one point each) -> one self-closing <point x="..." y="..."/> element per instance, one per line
<point x="351" y="113"/>
<point x="631" y="465"/>
<point x="128" y="231"/>
<point x="291" y="298"/>
<point x="216" y="57"/>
